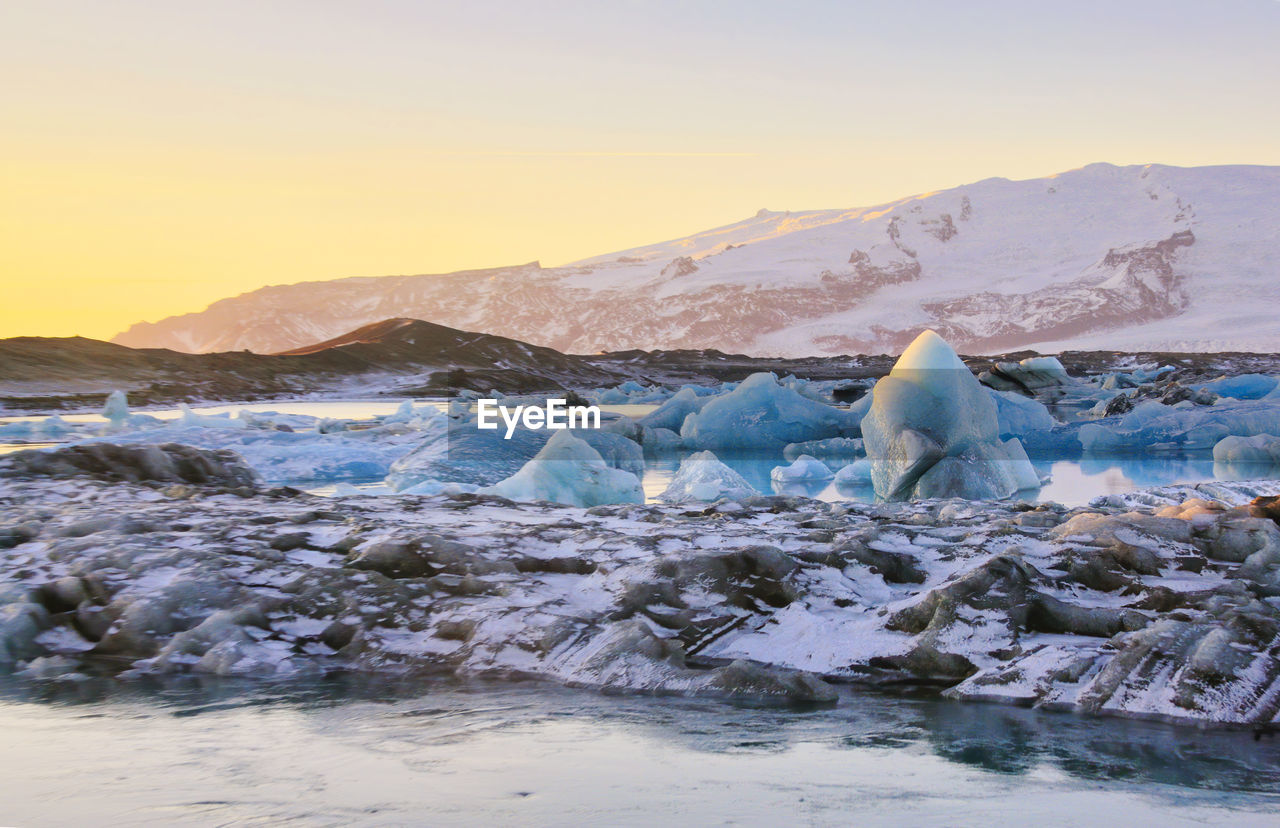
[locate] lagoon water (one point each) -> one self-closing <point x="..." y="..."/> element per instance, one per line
<point x="346" y="751"/>
<point x="1073" y="482"/>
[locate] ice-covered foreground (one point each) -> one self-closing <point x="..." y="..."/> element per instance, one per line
<point x="1156" y="605"/>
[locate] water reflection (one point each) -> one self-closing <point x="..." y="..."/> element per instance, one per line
<point x="991" y="738"/>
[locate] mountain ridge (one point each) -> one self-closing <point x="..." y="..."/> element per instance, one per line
<point x="1143" y="257"/>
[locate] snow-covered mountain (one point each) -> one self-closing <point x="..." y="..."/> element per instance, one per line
<point x="1127" y="258"/>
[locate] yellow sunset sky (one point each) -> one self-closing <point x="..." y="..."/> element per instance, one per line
<point x="158" y="156"/>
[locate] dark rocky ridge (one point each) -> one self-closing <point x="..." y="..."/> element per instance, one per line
<point x="407" y="357"/>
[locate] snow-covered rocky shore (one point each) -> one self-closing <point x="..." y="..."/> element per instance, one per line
<point x="144" y="560"/>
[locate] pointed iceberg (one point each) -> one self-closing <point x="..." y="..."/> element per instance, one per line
<point x="933" y="431"/>
<point x="567" y="470"/>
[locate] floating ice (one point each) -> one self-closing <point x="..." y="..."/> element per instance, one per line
<point x="616" y="450"/>
<point x="1258" y="450"/>
<point x="1027" y="376"/>
<point x="1243" y="386"/>
<point x="671" y="413"/>
<point x="461" y="453"/>
<point x="805" y="468"/>
<point x="1154" y="427"/>
<point x="833" y="451"/>
<point x="760" y="414"/>
<point x="933" y="431"/>
<point x="567" y="470"/>
<point x="1020" y="415"/>
<point x="855" y="475"/>
<point x="702" y="476"/>
<point x="404" y="413"/>
<point x="51" y="426"/>
<point x="660" y="441"/>
<point x="192" y="419"/>
<point x="116" y="409"/>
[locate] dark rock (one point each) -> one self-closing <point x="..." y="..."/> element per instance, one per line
<point x="167" y="463"/>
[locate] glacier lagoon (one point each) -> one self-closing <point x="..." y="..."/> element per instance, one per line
<point x="1071" y="481"/>
<point x="353" y="751"/>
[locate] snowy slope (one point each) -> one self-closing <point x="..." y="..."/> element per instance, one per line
<point x="1140" y="257"/>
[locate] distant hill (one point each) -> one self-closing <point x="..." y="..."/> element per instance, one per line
<point x="405" y="356"/>
<point x="1139" y="258"/>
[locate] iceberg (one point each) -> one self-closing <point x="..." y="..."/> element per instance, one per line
<point x="760" y="414"/>
<point x="1027" y="376"/>
<point x="192" y="419"/>
<point x="1242" y="386"/>
<point x="615" y="449"/>
<point x="660" y="441"/>
<point x="671" y="414"/>
<point x="804" y="469"/>
<point x="569" y="471"/>
<point x="836" y="450"/>
<point x="703" y="477"/>
<point x="1020" y="416"/>
<point x="461" y="453"/>
<point x="856" y="475"/>
<point x="1155" y="427"/>
<point x="933" y="431"/>
<point x="1259" y="450"/>
<point x="116" y="409"/>
<point x="51" y="426"/>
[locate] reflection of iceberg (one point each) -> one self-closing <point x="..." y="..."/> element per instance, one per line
<point x="933" y="431"/>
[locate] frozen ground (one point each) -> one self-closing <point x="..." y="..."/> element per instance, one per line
<point x="1138" y="606"/>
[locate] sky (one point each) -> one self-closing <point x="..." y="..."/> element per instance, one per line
<point x="158" y="156"/>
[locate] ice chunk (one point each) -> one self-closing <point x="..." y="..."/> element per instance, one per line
<point x="1243" y="387"/>
<point x="1258" y="450"/>
<point x="1030" y="376"/>
<point x="671" y="414"/>
<point x="462" y="453"/>
<point x="1020" y="415"/>
<point x="702" y="476"/>
<point x="660" y="441"/>
<point x="1155" y="427"/>
<point x="933" y="430"/>
<point x="856" y="475"/>
<point x="803" y="469"/>
<point x="567" y="470"/>
<point x="834" y="451"/>
<point x="116" y="409"/>
<point x="403" y="414"/>
<point x="436" y="487"/>
<point x="51" y="426"/>
<point x="192" y="419"/>
<point x="761" y="414"/>
<point x="616" y="450"/>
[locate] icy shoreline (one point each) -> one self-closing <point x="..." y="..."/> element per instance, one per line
<point x="1110" y="609"/>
